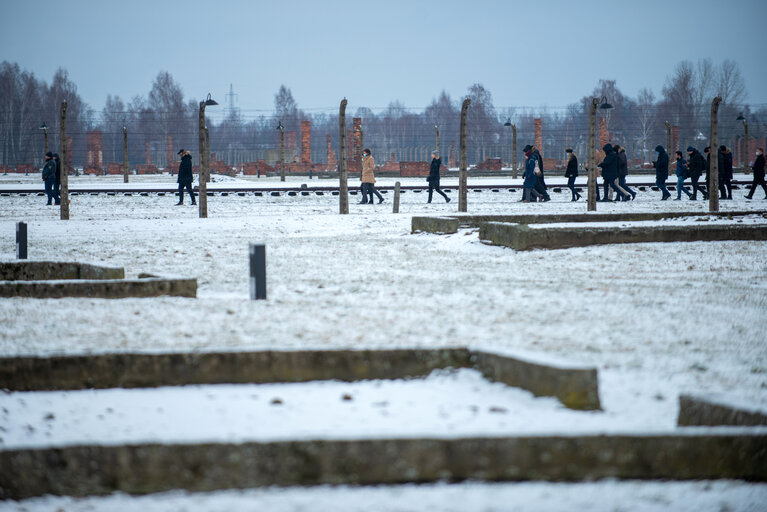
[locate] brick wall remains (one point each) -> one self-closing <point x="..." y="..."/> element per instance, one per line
<point x="306" y="141"/>
<point x="414" y="168"/>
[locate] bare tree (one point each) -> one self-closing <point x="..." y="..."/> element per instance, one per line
<point x="645" y="118"/>
<point x="730" y="84"/>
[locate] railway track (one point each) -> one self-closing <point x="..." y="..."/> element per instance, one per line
<point x="301" y="190"/>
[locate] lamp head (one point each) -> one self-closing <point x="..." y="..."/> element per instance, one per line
<point x="508" y="122"/>
<point x="740" y="117"/>
<point x="604" y="105"/>
<point x="209" y="101"/>
<point x="43" y="127"/>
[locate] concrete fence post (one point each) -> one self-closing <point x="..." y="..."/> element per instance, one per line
<point x="713" y="172"/>
<point x="343" y="192"/>
<point x="462" y="185"/>
<point x="65" y="156"/>
<point x="396" y="197"/>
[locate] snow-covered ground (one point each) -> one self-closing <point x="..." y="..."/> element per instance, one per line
<point x="612" y="496"/>
<point x="655" y="319"/>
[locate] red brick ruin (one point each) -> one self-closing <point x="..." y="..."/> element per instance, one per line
<point x="306" y="142"/>
<point x="331" y="155"/>
<point x="95" y="163"/>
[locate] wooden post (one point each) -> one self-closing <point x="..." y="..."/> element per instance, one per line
<point x="436" y="132"/>
<point x="282" y="151"/>
<point x="343" y="192"/>
<point x="396" y="197"/>
<point x="207" y="155"/>
<point x="462" y="185"/>
<point x="125" y="155"/>
<point x="64" y="194"/>
<point x="514" y="151"/>
<point x="745" y="148"/>
<point x="203" y="191"/>
<point x="592" y="193"/>
<point x="713" y="172"/>
<point x="668" y="145"/>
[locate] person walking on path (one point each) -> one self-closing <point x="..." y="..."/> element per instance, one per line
<point x="433" y="179"/>
<point x="540" y="180"/>
<point x="623" y="171"/>
<point x="758" y="169"/>
<point x="571" y="173"/>
<point x="609" y="166"/>
<point x="725" y="172"/>
<point x="661" y="171"/>
<point x="185" y="176"/>
<point x="529" y="193"/>
<point x="695" y="167"/>
<point x="368" y="178"/>
<point x="49" y="177"/>
<point x="57" y="181"/>
<point x="681" y="175"/>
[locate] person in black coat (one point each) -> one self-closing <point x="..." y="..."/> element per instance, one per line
<point x="185" y="176"/>
<point x="57" y="180"/>
<point x="609" y="166"/>
<point x="758" y="169"/>
<point x="725" y="172"/>
<point x="433" y="179"/>
<point x="49" y="175"/>
<point x="661" y="171"/>
<point x="571" y="173"/>
<point x="540" y="180"/>
<point x="696" y="166"/>
<point x="623" y="171"/>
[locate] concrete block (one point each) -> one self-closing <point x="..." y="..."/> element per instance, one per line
<point x="43" y="270"/>
<point x="522" y="237"/>
<point x="437" y="225"/>
<point x="697" y="410"/>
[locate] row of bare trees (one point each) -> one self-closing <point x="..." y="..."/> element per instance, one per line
<point x="637" y="123"/>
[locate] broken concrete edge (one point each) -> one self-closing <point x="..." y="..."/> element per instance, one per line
<point x="522" y="237"/>
<point x="31" y="270"/>
<point x="575" y="387"/>
<point x="711" y="410"/>
<point x="151" y="468"/>
<point x="436" y="225"/>
<point x="423" y="224"/>
<point x="100" y="288"/>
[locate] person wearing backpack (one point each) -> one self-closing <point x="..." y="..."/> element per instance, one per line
<point x="681" y="175"/>
<point x="695" y="169"/>
<point x="571" y="173"/>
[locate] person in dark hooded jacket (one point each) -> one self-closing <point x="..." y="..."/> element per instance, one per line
<point x="529" y="192"/>
<point x="725" y="172"/>
<point x="609" y="167"/>
<point x="49" y="177"/>
<point x="758" y="169"/>
<point x="571" y="173"/>
<point x="696" y="166"/>
<point x="540" y="179"/>
<point x="185" y="176"/>
<point x="433" y="179"/>
<point x="623" y="170"/>
<point x="661" y="171"/>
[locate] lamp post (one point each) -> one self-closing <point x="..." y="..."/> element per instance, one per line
<point x="44" y="128"/>
<point x="745" y="142"/>
<point x="203" y="160"/>
<point x="592" y="193"/>
<point x="281" y="129"/>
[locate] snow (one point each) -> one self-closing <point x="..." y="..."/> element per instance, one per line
<point x="656" y="320"/>
<point x="607" y="495"/>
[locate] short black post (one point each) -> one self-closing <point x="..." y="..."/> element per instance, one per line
<point x="257" y="272"/>
<point x="21" y="240"/>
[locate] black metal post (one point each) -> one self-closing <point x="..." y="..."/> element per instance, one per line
<point x="21" y="240"/>
<point x="257" y="272"/>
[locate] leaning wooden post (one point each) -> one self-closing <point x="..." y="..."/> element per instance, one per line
<point x="592" y="193"/>
<point x="668" y="144"/>
<point x="343" y="190"/>
<point x="125" y="155"/>
<point x="282" y="151"/>
<point x="462" y="186"/>
<point x="64" y="193"/>
<point x="514" y="150"/>
<point x="203" y="191"/>
<point x="713" y="172"/>
<point x="396" y="197"/>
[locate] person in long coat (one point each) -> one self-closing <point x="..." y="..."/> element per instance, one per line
<point x="758" y="169"/>
<point x="571" y="173"/>
<point x="368" y="178"/>
<point x="57" y="181"/>
<point x="49" y="177"/>
<point x="529" y="193"/>
<point x="185" y="176"/>
<point x="433" y="179"/>
<point x="695" y="168"/>
<point x="623" y="170"/>
<point x="609" y="166"/>
<point x="661" y="171"/>
<point x="540" y="178"/>
<point x="725" y="172"/>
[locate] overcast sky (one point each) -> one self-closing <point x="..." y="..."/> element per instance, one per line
<point x="527" y="53"/>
